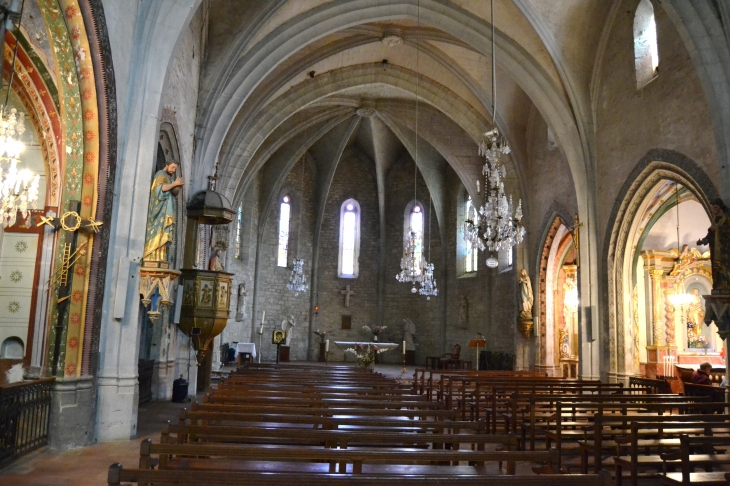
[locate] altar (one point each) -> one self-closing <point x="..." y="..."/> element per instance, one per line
<point x="244" y="349"/>
<point x="344" y="345"/>
<point x="381" y="347"/>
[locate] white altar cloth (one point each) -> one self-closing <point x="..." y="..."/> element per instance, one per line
<point x="249" y="348"/>
<point x="351" y="344"/>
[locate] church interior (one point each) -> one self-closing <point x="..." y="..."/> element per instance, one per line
<point x="190" y="189"/>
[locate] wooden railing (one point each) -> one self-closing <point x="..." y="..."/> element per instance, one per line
<point x="25" y="410"/>
<point x="649" y="385"/>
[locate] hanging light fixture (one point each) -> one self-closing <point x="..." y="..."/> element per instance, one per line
<point x="18" y="187"/>
<point x="428" y="283"/>
<point x="413" y="266"/>
<point x="297" y="280"/>
<point x="679" y="298"/>
<point x="497" y="225"/>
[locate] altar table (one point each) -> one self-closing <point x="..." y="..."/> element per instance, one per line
<point x="351" y="344"/>
<point x="248" y="348"/>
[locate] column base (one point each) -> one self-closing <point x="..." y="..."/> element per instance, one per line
<point x="72" y="411"/>
<point x="116" y="417"/>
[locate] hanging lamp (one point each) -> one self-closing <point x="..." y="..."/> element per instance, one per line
<point x="413" y="266"/>
<point x="297" y="280"/>
<point x="428" y="283"/>
<point x="18" y="186"/>
<point x="497" y="226"/>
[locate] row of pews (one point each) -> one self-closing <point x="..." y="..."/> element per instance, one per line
<point x="632" y="432"/>
<point x="313" y="425"/>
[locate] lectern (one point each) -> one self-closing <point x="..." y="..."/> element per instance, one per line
<point x="477" y="343"/>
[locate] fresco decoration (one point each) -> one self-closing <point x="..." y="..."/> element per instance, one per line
<point x="80" y="132"/>
<point x="37" y="98"/>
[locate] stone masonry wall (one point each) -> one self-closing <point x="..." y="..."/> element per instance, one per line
<point x="354" y="178"/>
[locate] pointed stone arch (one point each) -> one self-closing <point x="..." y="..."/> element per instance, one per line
<point x="657" y="165"/>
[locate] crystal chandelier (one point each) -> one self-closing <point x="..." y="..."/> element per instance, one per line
<point x="412" y="268"/>
<point x="497" y="225"/>
<point x="297" y="280"/>
<point x="428" y="282"/>
<point x="18" y="187"/>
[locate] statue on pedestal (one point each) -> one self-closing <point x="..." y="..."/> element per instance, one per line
<point x="161" y="217"/>
<point x="288" y="328"/>
<point x="409" y="334"/>
<point x="718" y="238"/>
<point x="526" y="297"/>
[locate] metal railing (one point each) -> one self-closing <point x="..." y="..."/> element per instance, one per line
<point x="25" y="410"/>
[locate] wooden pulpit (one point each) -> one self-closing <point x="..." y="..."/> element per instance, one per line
<point x="478" y="343"/>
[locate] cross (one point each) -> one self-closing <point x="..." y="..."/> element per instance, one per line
<point x="347" y="293"/>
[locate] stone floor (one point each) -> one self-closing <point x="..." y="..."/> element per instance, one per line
<point x="89" y="465"/>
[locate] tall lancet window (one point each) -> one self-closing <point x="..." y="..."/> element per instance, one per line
<point x="472" y="254"/>
<point x="414" y="222"/>
<point x="348" y="266"/>
<point x="239" y="221"/>
<point x="284" y="217"/>
<point x="646" y="49"/>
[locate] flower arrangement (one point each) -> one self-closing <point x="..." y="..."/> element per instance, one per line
<point x="375" y="330"/>
<point x="322" y="335"/>
<point x="702" y="342"/>
<point x="365" y="353"/>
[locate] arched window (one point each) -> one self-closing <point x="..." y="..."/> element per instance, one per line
<point x="646" y="50"/>
<point x="348" y="266"/>
<point x="471" y="256"/>
<point x="239" y="220"/>
<point x="284" y="216"/>
<point x="414" y="221"/>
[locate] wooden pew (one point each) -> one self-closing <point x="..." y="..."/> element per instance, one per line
<point x="182" y="434"/>
<point x="119" y="475"/>
<point x="662" y="432"/>
<point x="687" y="476"/>
<point x="315" y="459"/>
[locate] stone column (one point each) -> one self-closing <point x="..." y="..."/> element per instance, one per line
<point x="658" y="327"/>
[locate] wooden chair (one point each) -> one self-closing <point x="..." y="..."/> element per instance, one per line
<point x="451" y="361"/>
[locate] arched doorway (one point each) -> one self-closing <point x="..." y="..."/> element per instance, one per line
<point x="657" y="273"/>
<point x="558" y="302"/>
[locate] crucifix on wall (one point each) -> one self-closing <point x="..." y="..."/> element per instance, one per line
<point x="347" y="293"/>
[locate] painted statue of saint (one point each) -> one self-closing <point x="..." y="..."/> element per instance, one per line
<point x="526" y="297"/>
<point x="216" y="264"/>
<point x="718" y="237"/>
<point x="161" y="213"/>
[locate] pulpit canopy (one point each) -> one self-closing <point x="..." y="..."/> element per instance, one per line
<point x="210" y="207"/>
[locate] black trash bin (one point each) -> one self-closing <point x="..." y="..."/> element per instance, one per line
<point x="180" y="390"/>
